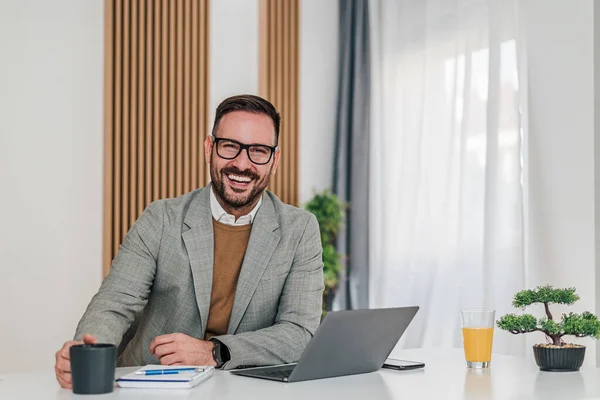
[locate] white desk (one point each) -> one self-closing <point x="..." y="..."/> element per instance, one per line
<point x="444" y="377"/>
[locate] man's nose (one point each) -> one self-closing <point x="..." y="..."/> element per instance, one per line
<point x="242" y="162"/>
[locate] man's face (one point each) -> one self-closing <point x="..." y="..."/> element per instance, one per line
<point x="239" y="182"/>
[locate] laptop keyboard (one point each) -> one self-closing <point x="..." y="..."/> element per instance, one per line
<point x="285" y="373"/>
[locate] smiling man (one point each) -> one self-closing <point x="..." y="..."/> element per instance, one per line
<point x="226" y="275"/>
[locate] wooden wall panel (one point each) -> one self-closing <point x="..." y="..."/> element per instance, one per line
<point x="279" y="82"/>
<point x="155" y="107"/>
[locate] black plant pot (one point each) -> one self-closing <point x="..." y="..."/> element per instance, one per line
<point x="328" y="299"/>
<point x="566" y="359"/>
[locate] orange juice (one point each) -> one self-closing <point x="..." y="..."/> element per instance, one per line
<point x="478" y="344"/>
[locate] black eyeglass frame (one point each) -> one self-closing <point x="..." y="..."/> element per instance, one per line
<point x="243" y="146"/>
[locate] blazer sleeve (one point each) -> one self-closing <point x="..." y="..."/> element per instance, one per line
<point x="125" y="290"/>
<point x="298" y="315"/>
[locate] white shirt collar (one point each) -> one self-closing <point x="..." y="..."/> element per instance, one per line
<point x="222" y="216"/>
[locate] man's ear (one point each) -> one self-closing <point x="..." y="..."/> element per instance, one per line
<point x="275" y="161"/>
<point x="208" y="143"/>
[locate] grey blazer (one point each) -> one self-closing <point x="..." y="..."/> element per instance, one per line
<point x="160" y="282"/>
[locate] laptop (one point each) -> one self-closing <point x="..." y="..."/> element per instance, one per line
<point x="346" y="343"/>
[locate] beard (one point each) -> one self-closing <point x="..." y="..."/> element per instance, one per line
<point x="235" y="197"/>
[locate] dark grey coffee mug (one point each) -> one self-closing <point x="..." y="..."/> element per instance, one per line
<point x="93" y="368"/>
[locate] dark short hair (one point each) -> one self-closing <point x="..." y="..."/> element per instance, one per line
<point x="248" y="103"/>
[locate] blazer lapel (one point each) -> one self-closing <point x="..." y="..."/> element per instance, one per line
<point x="199" y="242"/>
<point x="264" y="238"/>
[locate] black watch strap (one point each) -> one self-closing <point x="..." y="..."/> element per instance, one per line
<point x="220" y="353"/>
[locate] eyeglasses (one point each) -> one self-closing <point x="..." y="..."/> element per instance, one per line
<point x="229" y="149"/>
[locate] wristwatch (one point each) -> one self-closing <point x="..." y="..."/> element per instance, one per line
<point x="220" y="353"/>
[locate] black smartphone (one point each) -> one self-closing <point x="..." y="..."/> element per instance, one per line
<point x="402" y="365"/>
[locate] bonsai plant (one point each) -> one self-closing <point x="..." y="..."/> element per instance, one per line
<point x="329" y="211"/>
<point x="556" y="355"/>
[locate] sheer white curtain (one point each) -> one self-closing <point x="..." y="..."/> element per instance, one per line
<point x="446" y="209"/>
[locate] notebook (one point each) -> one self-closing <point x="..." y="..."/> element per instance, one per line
<point x="184" y="380"/>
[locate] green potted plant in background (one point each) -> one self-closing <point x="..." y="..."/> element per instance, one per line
<point x="556" y="355"/>
<point x="329" y="211"/>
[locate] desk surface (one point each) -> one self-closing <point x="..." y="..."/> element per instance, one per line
<point x="444" y="377"/>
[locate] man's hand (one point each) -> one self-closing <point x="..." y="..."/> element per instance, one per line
<point x="180" y="349"/>
<point x="62" y="367"/>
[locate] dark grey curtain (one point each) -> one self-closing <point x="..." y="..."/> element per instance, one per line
<point x="351" y="169"/>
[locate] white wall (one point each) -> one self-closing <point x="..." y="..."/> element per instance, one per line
<point x="560" y="222"/>
<point x="50" y="174"/>
<point x="318" y="94"/>
<point x="597" y="159"/>
<point x="233" y="50"/>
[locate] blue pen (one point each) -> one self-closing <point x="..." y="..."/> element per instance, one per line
<point x="171" y="371"/>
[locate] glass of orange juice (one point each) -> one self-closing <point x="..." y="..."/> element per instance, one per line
<point x="478" y="334"/>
